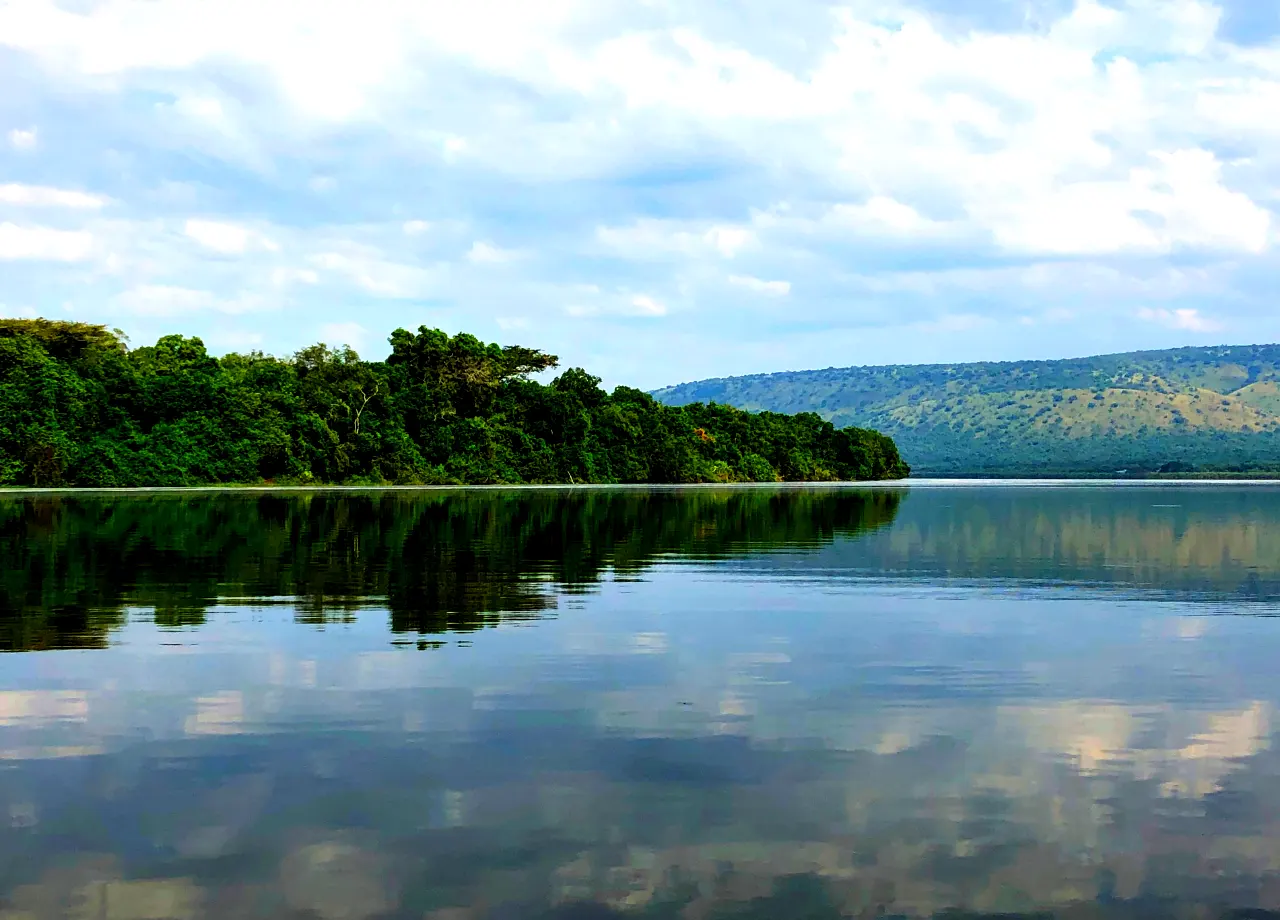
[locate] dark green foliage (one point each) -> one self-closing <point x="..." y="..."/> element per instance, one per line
<point x="79" y="408"/>
<point x="438" y="560"/>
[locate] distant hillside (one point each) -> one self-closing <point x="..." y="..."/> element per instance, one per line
<point x="1212" y="408"/>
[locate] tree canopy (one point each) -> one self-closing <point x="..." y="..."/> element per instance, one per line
<point x="79" y="407"/>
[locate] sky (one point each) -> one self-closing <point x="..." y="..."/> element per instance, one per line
<point x="657" y="191"/>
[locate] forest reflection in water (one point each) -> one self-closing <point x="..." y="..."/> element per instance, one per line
<point x="711" y="703"/>
<point x="437" y="560"/>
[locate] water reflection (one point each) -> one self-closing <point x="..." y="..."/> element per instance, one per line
<point x="437" y="560"/>
<point x="803" y="705"/>
<point x="1186" y="540"/>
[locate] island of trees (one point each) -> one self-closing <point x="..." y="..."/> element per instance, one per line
<point x="79" y="407"/>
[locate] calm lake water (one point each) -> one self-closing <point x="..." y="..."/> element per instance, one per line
<point x="703" y="703"/>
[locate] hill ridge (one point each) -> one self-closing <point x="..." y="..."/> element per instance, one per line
<point x="1209" y="407"/>
<point x="1147" y="352"/>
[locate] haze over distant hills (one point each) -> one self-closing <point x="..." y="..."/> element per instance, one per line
<point x="1202" y="408"/>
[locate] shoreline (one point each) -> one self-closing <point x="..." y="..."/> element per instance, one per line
<point x="960" y="481"/>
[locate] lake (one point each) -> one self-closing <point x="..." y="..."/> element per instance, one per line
<point x="704" y="703"/>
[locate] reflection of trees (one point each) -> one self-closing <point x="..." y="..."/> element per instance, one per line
<point x="455" y="560"/>
<point x="1212" y="541"/>
<point x="438" y="560"/>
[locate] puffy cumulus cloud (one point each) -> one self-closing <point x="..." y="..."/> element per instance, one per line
<point x="1178" y="202"/>
<point x="935" y="181"/>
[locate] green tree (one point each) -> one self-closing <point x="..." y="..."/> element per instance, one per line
<point x="78" y="407"/>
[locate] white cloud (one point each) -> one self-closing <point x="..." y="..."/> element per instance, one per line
<point x="45" y="196"/>
<point x="1008" y="125"/>
<point x="651" y="238"/>
<point x="728" y="240"/>
<point x="882" y="214"/>
<point x="875" y="150"/>
<point x="760" y="286"/>
<point x="623" y="305"/>
<point x="511" y="323"/>
<point x="226" y="238"/>
<point x="23" y="138"/>
<point x="453" y="147"/>
<point x="1185" y="318"/>
<point x="164" y="300"/>
<point x="483" y="253"/>
<point x="371" y="271"/>
<point x="873" y="224"/>
<point x="44" y="244"/>
<point x="644" y="305"/>
<point x="1178" y="201"/>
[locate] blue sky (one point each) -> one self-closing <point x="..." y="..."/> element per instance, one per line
<point x="658" y="191"/>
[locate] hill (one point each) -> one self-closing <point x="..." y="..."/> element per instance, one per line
<point x="78" y="407"/>
<point x="1184" y="409"/>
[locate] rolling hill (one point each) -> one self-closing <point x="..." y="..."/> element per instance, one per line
<point x="1179" y="410"/>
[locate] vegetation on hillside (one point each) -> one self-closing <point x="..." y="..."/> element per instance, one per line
<point x="78" y="407"/>
<point x="1177" y="410"/>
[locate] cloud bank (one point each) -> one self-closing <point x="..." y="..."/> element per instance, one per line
<point x="659" y="192"/>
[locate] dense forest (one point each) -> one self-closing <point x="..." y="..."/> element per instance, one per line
<point x="1175" y="411"/>
<point x="79" y="407"/>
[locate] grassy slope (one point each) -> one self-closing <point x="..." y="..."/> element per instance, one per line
<point x="1215" y="407"/>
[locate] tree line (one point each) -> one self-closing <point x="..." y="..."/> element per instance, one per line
<point x="79" y="407"/>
